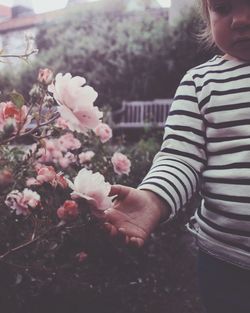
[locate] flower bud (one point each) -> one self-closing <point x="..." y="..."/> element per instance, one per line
<point x="45" y="76"/>
<point x="6" y="178"/>
<point x="68" y="211"/>
<point x="81" y="256"/>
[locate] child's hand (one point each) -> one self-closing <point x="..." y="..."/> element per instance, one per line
<point x="135" y="213"/>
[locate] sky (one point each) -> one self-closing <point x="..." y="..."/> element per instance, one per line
<point x="41" y="6"/>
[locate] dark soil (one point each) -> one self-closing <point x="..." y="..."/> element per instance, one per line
<point x="159" y="278"/>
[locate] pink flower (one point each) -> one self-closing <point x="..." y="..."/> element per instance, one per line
<point x="31" y="198"/>
<point x="61" y="123"/>
<point x="64" y="162"/>
<point x="85" y="157"/>
<point x="22" y="202"/>
<point x="45" y="76"/>
<point x="46" y="174"/>
<point x="19" y="117"/>
<point x="6" y="178"/>
<point x="68" y="211"/>
<point x="61" y="181"/>
<point x="76" y="102"/>
<point x="104" y="132"/>
<point x="121" y="163"/>
<point x="68" y="142"/>
<point x="81" y="256"/>
<point x="51" y="153"/>
<point x="93" y="188"/>
<point x="31" y="181"/>
<point x="68" y="159"/>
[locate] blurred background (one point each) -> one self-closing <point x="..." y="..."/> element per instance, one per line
<point x="134" y="53"/>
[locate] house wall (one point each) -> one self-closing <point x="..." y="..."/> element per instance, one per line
<point x="14" y="42"/>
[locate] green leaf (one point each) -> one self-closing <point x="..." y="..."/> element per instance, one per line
<point x="17" y="99"/>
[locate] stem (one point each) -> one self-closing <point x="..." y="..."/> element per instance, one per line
<point x="31" y="131"/>
<point x="31" y="241"/>
<point x="21" y="56"/>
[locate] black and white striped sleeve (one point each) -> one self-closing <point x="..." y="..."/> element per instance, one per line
<point x="176" y="168"/>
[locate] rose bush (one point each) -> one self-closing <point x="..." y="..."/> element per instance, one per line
<point x="53" y="187"/>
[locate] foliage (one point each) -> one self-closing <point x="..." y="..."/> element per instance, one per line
<point x="125" y="55"/>
<point x="43" y="227"/>
<point x="66" y="261"/>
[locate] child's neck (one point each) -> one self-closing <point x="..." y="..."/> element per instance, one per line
<point x="229" y="57"/>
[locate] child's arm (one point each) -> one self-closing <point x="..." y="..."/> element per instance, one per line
<point x="135" y="214"/>
<point x="175" y="173"/>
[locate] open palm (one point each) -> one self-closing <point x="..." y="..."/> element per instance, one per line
<point x="135" y="214"/>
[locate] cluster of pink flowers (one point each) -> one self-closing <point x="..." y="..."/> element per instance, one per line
<point x="58" y="151"/>
<point x="22" y="202"/>
<point x="13" y="117"/>
<point x="75" y="102"/>
<point x="68" y="211"/>
<point x="47" y="174"/>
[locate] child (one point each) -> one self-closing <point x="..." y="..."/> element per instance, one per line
<point x="206" y="146"/>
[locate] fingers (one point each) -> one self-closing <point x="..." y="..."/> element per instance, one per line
<point x="138" y="242"/>
<point x="114" y="216"/>
<point x="112" y="230"/>
<point x="120" y="191"/>
<point x="121" y="233"/>
<point x="133" y="241"/>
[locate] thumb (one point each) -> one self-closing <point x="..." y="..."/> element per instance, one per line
<point x="120" y="191"/>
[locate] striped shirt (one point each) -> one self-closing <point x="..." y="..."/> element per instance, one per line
<point x="206" y="148"/>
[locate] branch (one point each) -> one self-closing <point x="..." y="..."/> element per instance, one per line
<point x="20" y="56"/>
<point x="31" y="131"/>
<point x="31" y="241"/>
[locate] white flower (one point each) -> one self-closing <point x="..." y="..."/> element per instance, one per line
<point x="93" y="188"/>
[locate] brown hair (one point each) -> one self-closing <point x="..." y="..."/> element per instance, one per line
<point x="205" y="35"/>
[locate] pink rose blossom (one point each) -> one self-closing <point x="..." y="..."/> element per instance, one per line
<point x="22" y="202"/>
<point x="68" y="211"/>
<point x="31" y="181"/>
<point x="61" y="181"/>
<point x="93" y="188"/>
<point x="68" y="159"/>
<point x="68" y="142"/>
<point x="46" y="174"/>
<point x="64" y="162"/>
<point x="104" y="132"/>
<point x="76" y="102"/>
<point x="85" y="157"/>
<point x="51" y="153"/>
<point x="31" y="198"/>
<point x="45" y="76"/>
<point x="18" y="117"/>
<point x="121" y="163"/>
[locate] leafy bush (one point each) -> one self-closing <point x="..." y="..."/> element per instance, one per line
<point x="125" y="55"/>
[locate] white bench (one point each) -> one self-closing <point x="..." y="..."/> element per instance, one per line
<point x="141" y="114"/>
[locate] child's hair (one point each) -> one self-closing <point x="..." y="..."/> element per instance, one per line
<point x="205" y="35"/>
